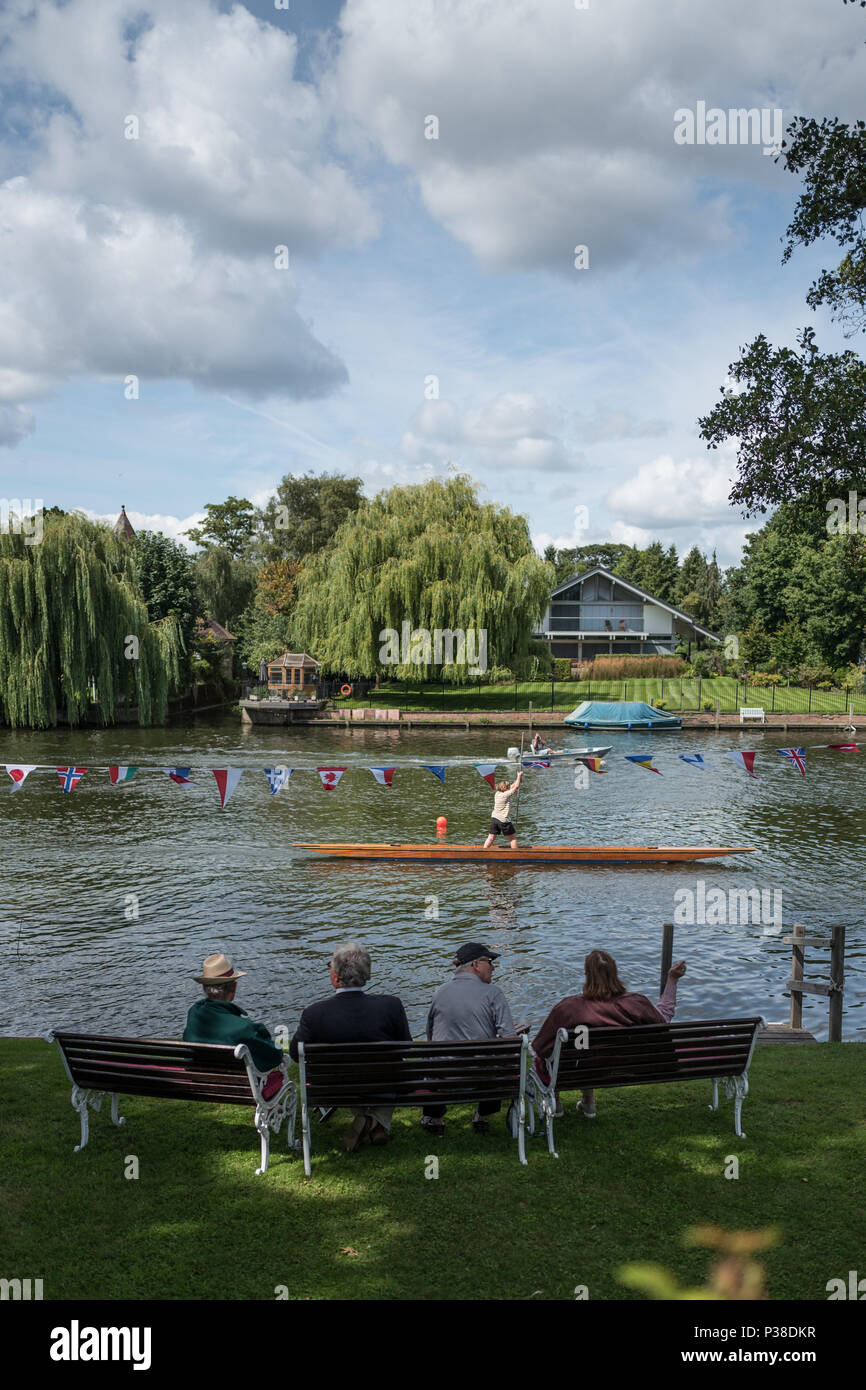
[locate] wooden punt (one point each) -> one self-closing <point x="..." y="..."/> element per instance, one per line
<point x="527" y="854"/>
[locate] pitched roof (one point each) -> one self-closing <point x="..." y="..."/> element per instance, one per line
<point x="211" y="625"/>
<point x="294" y="659"/>
<point x="123" y="526"/>
<point x="642" y="593"/>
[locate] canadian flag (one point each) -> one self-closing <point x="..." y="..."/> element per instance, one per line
<point x="330" y="776"/>
<point x="227" y="779"/>
<point x="19" y="773"/>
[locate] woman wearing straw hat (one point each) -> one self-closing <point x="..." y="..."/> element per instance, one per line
<point x="217" y="1019"/>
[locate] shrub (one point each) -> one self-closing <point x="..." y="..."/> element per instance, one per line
<point x="626" y="668"/>
<point x="765" y="678"/>
<point x="660" y="704"/>
<point x="497" y="675"/>
<point x="707" y="706"/>
<point x="562" y="668"/>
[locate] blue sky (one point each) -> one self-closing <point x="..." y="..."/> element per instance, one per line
<point x="408" y="257"/>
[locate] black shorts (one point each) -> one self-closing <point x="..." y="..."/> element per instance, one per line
<point x="498" y="827"/>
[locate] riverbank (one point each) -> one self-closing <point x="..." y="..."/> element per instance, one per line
<point x="469" y="719"/>
<point x="196" y="1223"/>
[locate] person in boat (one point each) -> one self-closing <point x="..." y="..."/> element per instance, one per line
<point x="500" y="821"/>
<point x="604" y="1003"/>
<point x="468" y="1007"/>
<point x="537" y="744"/>
<point x="350" y="1015"/>
<point x="218" y="1019"/>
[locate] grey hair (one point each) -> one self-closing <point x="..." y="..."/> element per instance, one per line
<point x="351" y="964"/>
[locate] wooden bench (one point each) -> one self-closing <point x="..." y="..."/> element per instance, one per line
<point x="98" y="1066"/>
<point x="752" y="712"/>
<point x="413" y="1073"/>
<point x="647" y="1054"/>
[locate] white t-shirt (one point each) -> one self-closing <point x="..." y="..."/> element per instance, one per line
<point x="502" y="806"/>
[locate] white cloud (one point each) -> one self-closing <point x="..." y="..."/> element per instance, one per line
<point x="681" y="493"/>
<point x="514" y="430"/>
<point x="556" y="124"/>
<point x="171" y="526"/>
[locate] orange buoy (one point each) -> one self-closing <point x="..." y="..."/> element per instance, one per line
<point x="441" y="825"/>
<point x="345" y="690"/>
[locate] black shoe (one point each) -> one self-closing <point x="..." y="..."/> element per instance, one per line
<point x="480" y="1124"/>
<point x="433" y="1126"/>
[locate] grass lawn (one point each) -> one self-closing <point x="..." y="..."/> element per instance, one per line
<point x="197" y="1223"/>
<point x="685" y="693"/>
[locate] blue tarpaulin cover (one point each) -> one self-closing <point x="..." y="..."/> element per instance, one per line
<point x="621" y="714"/>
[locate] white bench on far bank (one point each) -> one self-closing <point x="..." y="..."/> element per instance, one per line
<point x="752" y="712"/>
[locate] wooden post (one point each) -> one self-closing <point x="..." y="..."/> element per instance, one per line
<point x="667" y="954"/>
<point x="837" y="980"/>
<point x="718" y="708"/>
<point x="796" y="1017"/>
<point x="520" y="769"/>
<point x="530" y="716"/>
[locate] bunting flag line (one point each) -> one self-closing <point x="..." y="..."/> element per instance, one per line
<point x="594" y="764"/>
<point x="843" y="747"/>
<point x="695" y="759"/>
<point x="383" y="775"/>
<point x="643" y="760"/>
<point x="70" y="777"/>
<point x="277" y="778"/>
<point x="118" y="774"/>
<point x="18" y="773"/>
<point x="181" y="775"/>
<point x="746" y="760"/>
<point x="227" y="779"/>
<point x="797" y="756"/>
<point x="488" y="772"/>
<point x="330" y="776"/>
<point x="437" y="771"/>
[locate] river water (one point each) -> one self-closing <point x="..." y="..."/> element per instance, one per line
<point x="112" y="896"/>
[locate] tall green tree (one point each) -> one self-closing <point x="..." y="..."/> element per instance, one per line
<point x="431" y="556"/>
<point x="306" y="513"/>
<point x="224" y="584"/>
<point x="164" y="571"/>
<point x="578" y="559"/>
<point x="230" y="525"/>
<point x="73" y="621"/>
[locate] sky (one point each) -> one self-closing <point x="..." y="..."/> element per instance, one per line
<point x="238" y="241"/>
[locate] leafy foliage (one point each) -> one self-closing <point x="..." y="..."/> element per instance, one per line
<point x="230" y="525"/>
<point x="306" y="513"/>
<point x="429" y="555"/>
<point x="73" y="620"/>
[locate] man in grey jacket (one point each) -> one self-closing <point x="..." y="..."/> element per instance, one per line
<point x="467" y="1008"/>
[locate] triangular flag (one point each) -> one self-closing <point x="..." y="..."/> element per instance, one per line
<point x="437" y="771"/>
<point x="383" y="775"/>
<point x="117" y="774"/>
<point x="594" y="764"/>
<point x="643" y="760"/>
<point x="797" y="756"/>
<point x="181" y="775"/>
<point x="844" y="747"/>
<point x="227" y="779"/>
<point x="277" y="778"/>
<point x="19" y="772"/>
<point x="746" y="760"/>
<point x="330" y="776"/>
<point x="70" y="777"/>
<point x="528" y="762"/>
<point x="488" y="772"/>
<point x="696" y="760"/>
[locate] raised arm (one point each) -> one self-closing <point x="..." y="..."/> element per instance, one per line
<point x="668" y="1002"/>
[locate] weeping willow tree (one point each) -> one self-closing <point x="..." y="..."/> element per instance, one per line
<point x="414" y="561"/>
<point x="74" y="629"/>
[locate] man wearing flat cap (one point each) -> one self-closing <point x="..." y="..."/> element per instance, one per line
<point x="218" y="1019"/>
<point x="467" y="1008"/>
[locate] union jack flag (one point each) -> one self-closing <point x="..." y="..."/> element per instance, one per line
<point x="70" y="777"/>
<point x="797" y="756"/>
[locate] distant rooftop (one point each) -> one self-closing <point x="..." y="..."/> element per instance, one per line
<point x="123" y="526"/>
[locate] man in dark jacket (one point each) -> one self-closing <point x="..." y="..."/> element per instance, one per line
<point x="350" y="1015"/>
<point x="217" y="1019"/>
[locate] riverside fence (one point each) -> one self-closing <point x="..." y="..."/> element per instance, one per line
<point x="688" y="693"/>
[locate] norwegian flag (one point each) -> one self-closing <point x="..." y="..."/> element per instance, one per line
<point x="383" y="775"/>
<point x="277" y="778"/>
<point x="227" y="779"/>
<point x="488" y="772"/>
<point x="18" y="773"/>
<point x="181" y="775"/>
<point x="797" y="756"/>
<point x="117" y="774"/>
<point x="330" y="776"/>
<point x="70" y="777"/>
<point x="746" y="760"/>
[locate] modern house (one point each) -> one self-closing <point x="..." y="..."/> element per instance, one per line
<point x="294" y="673"/>
<point x="600" y="614"/>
